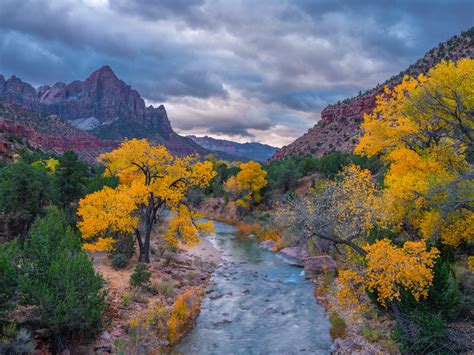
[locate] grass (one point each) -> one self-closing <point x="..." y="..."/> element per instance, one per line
<point x="163" y="287"/>
<point x="338" y="326"/>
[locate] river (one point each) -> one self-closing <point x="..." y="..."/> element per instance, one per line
<point x="258" y="305"/>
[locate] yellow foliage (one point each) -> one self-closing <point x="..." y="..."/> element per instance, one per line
<point x="183" y="227"/>
<point x="248" y="183"/>
<point x="423" y="128"/>
<point x="185" y="311"/>
<point x="388" y="268"/>
<point x="150" y="178"/>
<point x="470" y="263"/>
<point x="352" y="290"/>
<point x="50" y="164"/>
<point x="356" y="203"/>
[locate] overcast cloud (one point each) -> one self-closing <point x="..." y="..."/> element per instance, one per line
<point x="241" y="69"/>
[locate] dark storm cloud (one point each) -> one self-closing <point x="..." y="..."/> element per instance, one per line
<point x="235" y="67"/>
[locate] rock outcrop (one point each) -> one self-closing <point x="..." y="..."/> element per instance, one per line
<point x="103" y="105"/>
<point x="339" y="126"/>
<point x="293" y="255"/>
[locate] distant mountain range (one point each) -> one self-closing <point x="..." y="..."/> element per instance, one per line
<point x="339" y="126"/>
<point x="103" y="106"/>
<point x="236" y="151"/>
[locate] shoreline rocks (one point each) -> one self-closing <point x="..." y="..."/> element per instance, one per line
<point x="317" y="265"/>
<point x="293" y="255"/>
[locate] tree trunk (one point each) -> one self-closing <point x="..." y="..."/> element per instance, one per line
<point x="146" y="228"/>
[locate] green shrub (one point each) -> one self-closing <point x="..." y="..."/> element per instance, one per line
<point x="119" y="261"/>
<point x="59" y="279"/>
<point x="24" y="192"/>
<point x="141" y="276"/>
<point x="421" y="333"/>
<point x="8" y="276"/>
<point x="338" y="326"/>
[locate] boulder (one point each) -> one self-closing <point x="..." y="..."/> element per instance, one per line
<point x="316" y="265"/>
<point x="267" y="244"/>
<point x="293" y="255"/>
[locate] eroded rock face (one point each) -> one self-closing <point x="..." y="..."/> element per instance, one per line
<point x="14" y="136"/>
<point x="317" y="265"/>
<point x="339" y="126"/>
<point x="103" y="105"/>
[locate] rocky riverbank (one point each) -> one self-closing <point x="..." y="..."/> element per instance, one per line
<point x="173" y="274"/>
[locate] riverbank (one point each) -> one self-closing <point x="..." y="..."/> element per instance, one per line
<point x="174" y="275"/>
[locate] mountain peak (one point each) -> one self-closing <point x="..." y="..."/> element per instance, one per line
<point x="103" y="73"/>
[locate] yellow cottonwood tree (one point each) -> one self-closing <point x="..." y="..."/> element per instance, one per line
<point x="424" y="130"/>
<point x="248" y="183"/>
<point x="151" y="179"/>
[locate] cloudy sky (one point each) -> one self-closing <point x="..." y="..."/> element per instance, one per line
<point x="250" y="70"/>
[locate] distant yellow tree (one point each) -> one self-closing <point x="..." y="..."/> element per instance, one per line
<point x="248" y="183"/>
<point x="151" y="179"/>
<point x="424" y="130"/>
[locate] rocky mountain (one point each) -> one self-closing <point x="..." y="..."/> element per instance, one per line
<point x="103" y="105"/>
<point x="20" y="127"/>
<point x="236" y="151"/>
<point x="339" y="126"/>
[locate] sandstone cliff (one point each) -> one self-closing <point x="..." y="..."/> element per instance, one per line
<point x="103" y="105"/>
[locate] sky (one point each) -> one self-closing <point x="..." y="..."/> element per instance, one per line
<point x="246" y="70"/>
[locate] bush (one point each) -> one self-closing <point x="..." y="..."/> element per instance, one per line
<point x="24" y="192"/>
<point x="8" y="276"/>
<point x="338" y="326"/>
<point x="119" y="261"/>
<point x="141" y="276"/>
<point x="185" y="311"/>
<point x="60" y="281"/>
<point x="422" y="333"/>
<point x="163" y="287"/>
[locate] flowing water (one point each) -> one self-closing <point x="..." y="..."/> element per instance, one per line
<point x="258" y="305"/>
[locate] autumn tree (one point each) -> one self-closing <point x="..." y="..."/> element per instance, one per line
<point x="424" y="130"/>
<point x="151" y="180"/>
<point x="247" y="183"/>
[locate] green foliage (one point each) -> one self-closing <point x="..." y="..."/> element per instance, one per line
<point x="284" y="174"/>
<point x="71" y="175"/>
<point x="8" y="276"/>
<point x="59" y="279"/>
<point x="141" y="276"/>
<point x="119" y="261"/>
<point x="98" y="182"/>
<point x="223" y="173"/>
<point x="444" y="297"/>
<point x="426" y="335"/>
<point x="24" y="192"/>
